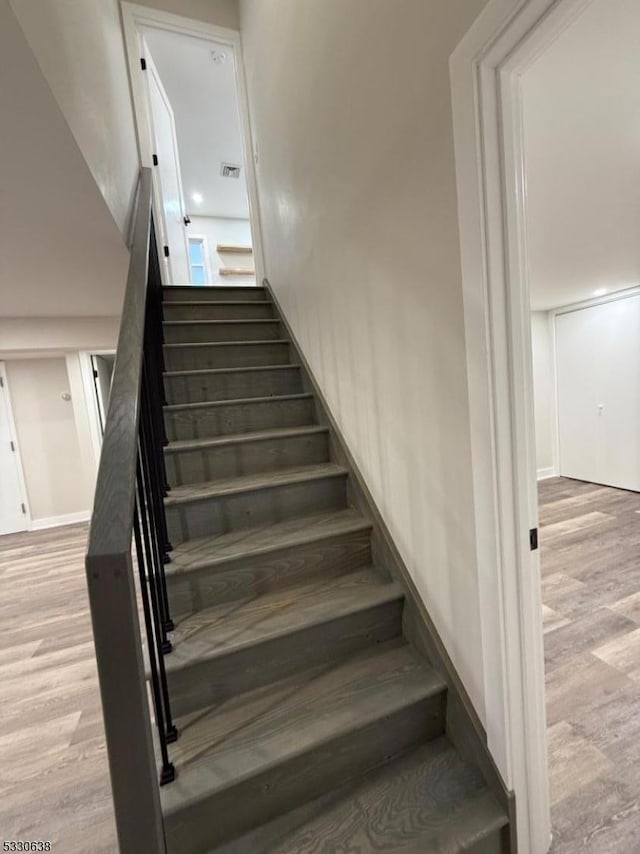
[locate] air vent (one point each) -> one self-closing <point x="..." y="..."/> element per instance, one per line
<point x="228" y="170"/>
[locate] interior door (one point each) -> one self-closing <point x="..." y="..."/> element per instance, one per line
<point x="168" y="177"/>
<point x="12" y="511"/>
<point x="598" y="368"/>
<point x="102" y="371"/>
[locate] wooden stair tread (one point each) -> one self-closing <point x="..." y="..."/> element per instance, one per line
<point x="243" y="737"/>
<point x="249" y="343"/>
<point x="225" y="302"/>
<point x="239" y="438"/>
<point x="231" y="322"/>
<point x="228" y="628"/>
<point x="244" y="483"/>
<point x="236" y="370"/>
<point x="207" y="404"/>
<point x="211" y="288"/>
<point x="208" y="551"/>
<point x="428" y="800"/>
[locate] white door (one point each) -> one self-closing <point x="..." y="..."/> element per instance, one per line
<point x="12" y="509"/>
<point x="168" y="179"/>
<point x="598" y="368"/>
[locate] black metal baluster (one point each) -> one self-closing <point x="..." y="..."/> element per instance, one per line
<point x="168" y="773"/>
<point x="152" y="478"/>
<point x="171" y="733"/>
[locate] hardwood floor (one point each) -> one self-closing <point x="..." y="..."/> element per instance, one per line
<point x="54" y="781"/>
<point x="590" y="557"/>
<point x="53" y="775"/>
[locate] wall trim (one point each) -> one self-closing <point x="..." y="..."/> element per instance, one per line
<point x="544" y="474"/>
<point x="486" y="70"/>
<point x="58" y="521"/>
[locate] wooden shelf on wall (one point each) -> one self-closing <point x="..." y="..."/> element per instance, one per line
<point x="234" y="250"/>
<point x="235" y="271"/>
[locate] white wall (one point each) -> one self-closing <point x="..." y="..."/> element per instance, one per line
<point x="62" y="252"/>
<point x="234" y="232"/>
<point x="544" y="392"/>
<point x="80" y="49"/>
<point x="49" y="446"/>
<point x="41" y="335"/>
<point x="351" y="109"/>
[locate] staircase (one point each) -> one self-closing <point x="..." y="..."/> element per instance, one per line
<point x="308" y="722"/>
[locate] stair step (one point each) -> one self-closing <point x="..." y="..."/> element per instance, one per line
<point x="224" y="417"/>
<point x="216" y="507"/>
<point x="238" y="646"/>
<point x="218" y="384"/>
<point x="197" y="460"/>
<point x="215" y="293"/>
<point x="244" y="760"/>
<point x="209" y="331"/>
<point x="214" y="310"/>
<point x="226" y="354"/>
<point x="427" y="800"/>
<point x="214" y="570"/>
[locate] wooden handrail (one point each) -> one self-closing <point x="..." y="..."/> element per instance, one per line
<point x="109" y="569"/>
<point x="111" y="521"/>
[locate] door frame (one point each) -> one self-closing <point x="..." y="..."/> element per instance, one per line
<point x="135" y="17"/>
<point x="486" y="70"/>
<point x="14" y="438"/>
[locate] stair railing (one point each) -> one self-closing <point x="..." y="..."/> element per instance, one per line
<point x="129" y="507"/>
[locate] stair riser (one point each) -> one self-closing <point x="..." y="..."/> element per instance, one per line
<point x="216" y="292"/>
<point x="238" y="418"/>
<point x="261" y="574"/>
<point x="260" y="507"/>
<point x="211" y="311"/>
<point x="190" y="333"/>
<point x="225" y="356"/>
<point x="210" y="682"/>
<point x="213" y="821"/>
<point x="242" y="458"/>
<point x="237" y="384"/>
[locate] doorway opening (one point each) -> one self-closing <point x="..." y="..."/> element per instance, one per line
<point x="582" y="219"/>
<point x="193" y="128"/>
<point x="531" y="241"/>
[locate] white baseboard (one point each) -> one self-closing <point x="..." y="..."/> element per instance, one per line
<point x="543" y="474"/>
<point x="57" y="521"/>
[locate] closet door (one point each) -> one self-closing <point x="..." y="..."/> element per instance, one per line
<point x="598" y="369"/>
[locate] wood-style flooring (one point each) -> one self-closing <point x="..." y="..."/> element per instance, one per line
<point x="54" y="779"/>
<point x="590" y="560"/>
<point x="54" y="782"/>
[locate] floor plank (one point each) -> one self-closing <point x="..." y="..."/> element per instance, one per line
<point x="54" y="779"/>
<point x="590" y="564"/>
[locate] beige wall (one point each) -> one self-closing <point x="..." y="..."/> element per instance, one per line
<point x="222" y="13"/>
<point x="351" y="109"/>
<point x="49" y="445"/>
<point x="80" y="49"/>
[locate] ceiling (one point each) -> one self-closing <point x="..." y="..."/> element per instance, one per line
<point x="203" y="96"/>
<point x="582" y="154"/>
<point x="62" y="253"/>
